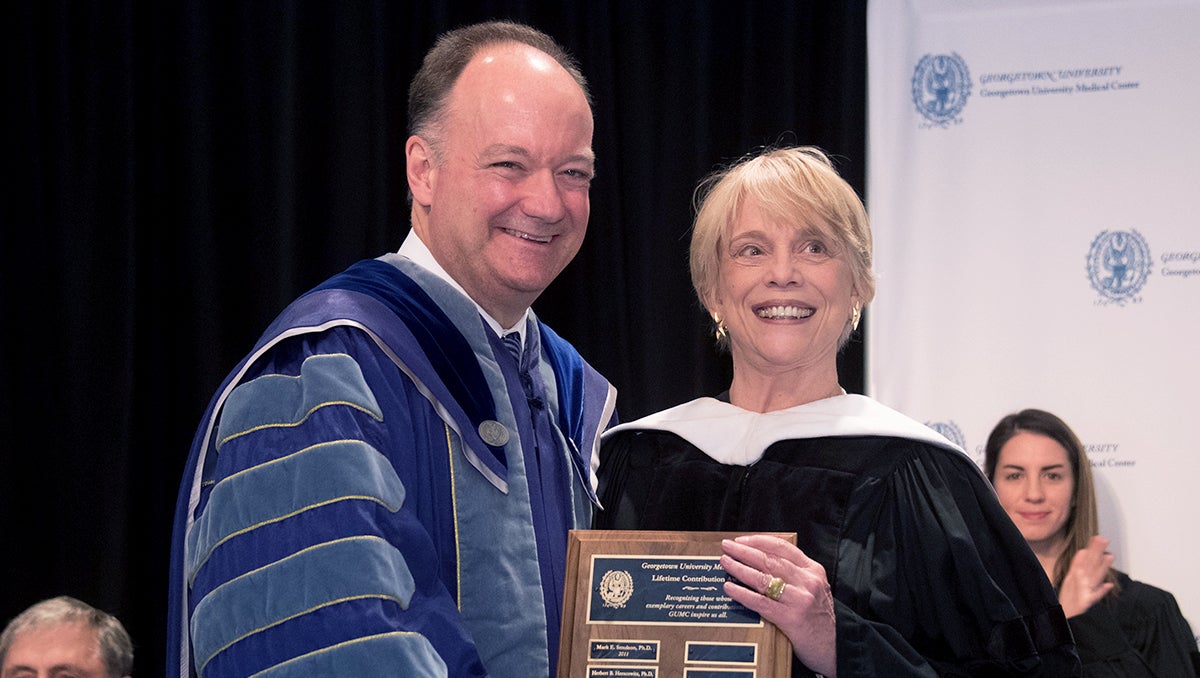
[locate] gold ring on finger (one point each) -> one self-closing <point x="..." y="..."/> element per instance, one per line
<point x="775" y="588"/>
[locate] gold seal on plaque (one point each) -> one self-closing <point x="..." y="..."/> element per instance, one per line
<point x="616" y="586"/>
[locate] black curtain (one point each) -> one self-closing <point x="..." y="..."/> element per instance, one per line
<point x="177" y="172"/>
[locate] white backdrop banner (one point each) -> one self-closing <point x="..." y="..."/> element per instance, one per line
<point x="1033" y="182"/>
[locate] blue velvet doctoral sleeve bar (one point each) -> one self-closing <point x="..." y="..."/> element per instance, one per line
<point x="347" y="470"/>
<point x="403" y="653"/>
<point x="343" y="513"/>
<point x="332" y="572"/>
<point x="287" y="400"/>
<point x="298" y="558"/>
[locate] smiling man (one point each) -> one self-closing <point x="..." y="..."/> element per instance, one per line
<point x="385" y="484"/>
<point x="500" y="191"/>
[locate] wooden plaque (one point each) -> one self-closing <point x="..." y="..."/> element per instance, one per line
<point x="645" y="604"/>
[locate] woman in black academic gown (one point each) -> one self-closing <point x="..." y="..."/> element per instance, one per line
<point x="1123" y="628"/>
<point x="906" y="564"/>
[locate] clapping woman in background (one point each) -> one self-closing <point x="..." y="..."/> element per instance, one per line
<point x="1122" y="627"/>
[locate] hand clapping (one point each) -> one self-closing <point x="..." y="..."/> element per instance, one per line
<point x="1084" y="584"/>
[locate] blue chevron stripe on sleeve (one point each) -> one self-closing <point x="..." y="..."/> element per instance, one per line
<point x="333" y="572"/>
<point x="389" y="654"/>
<point x="315" y="476"/>
<point x="284" y="400"/>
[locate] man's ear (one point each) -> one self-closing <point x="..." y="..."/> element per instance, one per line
<point x="418" y="155"/>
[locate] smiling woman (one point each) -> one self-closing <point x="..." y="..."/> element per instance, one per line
<point x="1044" y="480"/>
<point x="1035" y="480"/>
<point x="781" y="258"/>
<point x="785" y="299"/>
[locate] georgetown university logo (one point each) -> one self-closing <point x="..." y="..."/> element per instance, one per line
<point x="616" y="587"/>
<point x="940" y="86"/>
<point x="950" y="431"/>
<point x="1118" y="264"/>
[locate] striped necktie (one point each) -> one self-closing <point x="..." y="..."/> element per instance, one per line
<point x="512" y="341"/>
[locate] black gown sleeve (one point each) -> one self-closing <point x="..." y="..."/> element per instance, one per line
<point x="929" y="575"/>
<point x="930" y="560"/>
<point x="1139" y="631"/>
<point x="1103" y="647"/>
<point x="1160" y="631"/>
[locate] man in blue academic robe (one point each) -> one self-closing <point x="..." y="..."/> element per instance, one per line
<point x="385" y="484"/>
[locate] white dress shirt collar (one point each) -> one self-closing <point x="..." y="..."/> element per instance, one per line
<point x="415" y="250"/>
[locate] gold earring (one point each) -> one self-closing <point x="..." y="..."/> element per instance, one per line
<point x="855" y="316"/>
<point x="721" y="331"/>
